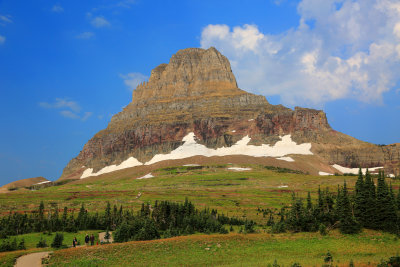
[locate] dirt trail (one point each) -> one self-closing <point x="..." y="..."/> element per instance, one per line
<point x="102" y="239"/>
<point x="31" y="260"/>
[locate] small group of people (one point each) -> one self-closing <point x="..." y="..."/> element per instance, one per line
<point x="87" y="240"/>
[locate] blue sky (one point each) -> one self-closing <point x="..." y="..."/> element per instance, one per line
<point x="67" y="66"/>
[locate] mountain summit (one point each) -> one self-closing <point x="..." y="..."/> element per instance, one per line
<point x="192" y="107"/>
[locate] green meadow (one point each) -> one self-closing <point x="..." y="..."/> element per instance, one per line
<point x="234" y="193"/>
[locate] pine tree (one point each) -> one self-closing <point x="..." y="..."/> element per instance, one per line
<point x="107" y="216"/>
<point x="360" y="202"/>
<point x="348" y="224"/>
<point x="370" y="208"/>
<point x="309" y="202"/>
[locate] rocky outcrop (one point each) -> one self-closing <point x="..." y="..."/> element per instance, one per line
<point x="197" y="92"/>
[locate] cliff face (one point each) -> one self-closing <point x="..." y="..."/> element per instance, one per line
<point x="197" y="92"/>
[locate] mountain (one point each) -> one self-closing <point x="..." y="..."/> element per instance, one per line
<point x="192" y="107"/>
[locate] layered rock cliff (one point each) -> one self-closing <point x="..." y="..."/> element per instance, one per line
<point x="197" y="92"/>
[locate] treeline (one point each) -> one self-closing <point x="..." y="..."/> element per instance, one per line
<point x="169" y="219"/>
<point x="369" y="206"/>
<point x="164" y="219"/>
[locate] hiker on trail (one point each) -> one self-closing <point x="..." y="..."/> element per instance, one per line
<point x="74" y="242"/>
<point x="92" y="240"/>
<point x="87" y="239"/>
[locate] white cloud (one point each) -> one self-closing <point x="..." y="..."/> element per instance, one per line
<point x="69" y="114"/>
<point x="2" y="39"/>
<point x="57" y="9"/>
<point x="133" y="79"/>
<point x="100" y="22"/>
<point x="62" y="103"/>
<point x="69" y="108"/>
<point x="5" y="19"/>
<point x="86" y="116"/>
<point x="126" y="3"/>
<point x="85" y="35"/>
<point x="337" y="51"/>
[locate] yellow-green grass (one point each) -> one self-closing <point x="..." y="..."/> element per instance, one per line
<point x="33" y="238"/>
<point x="233" y="193"/>
<point x="308" y="249"/>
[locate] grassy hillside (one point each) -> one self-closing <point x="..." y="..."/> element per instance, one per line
<point x="308" y="249"/>
<point x="236" y="193"/>
<point x="231" y="192"/>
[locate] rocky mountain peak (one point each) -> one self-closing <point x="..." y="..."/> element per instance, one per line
<point x="191" y="73"/>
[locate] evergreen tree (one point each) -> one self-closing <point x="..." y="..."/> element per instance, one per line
<point x="107" y="216"/>
<point x="348" y="224"/>
<point x="370" y="208"/>
<point x="360" y="201"/>
<point x="386" y="207"/>
<point x="57" y="241"/>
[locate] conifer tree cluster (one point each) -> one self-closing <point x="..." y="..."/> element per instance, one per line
<point x="163" y="219"/>
<point x="369" y="206"/>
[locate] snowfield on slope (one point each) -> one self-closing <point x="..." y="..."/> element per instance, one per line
<point x="191" y="148"/>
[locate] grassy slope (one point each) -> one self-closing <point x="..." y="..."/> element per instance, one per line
<point x="261" y="249"/>
<point x="235" y="193"/>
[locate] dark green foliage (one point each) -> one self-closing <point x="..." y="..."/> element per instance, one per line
<point x="21" y="244"/>
<point x="296" y="264"/>
<point x="57" y="241"/>
<point x="107" y="236"/>
<point x="386" y="214"/>
<point x="11" y="245"/>
<point x="42" y="243"/>
<point x="170" y="219"/>
<point x="348" y="224"/>
<point x="360" y="201"/>
<point x="282" y="170"/>
<point x="351" y="264"/>
<point x="393" y="262"/>
<point x="328" y="259"/>
<point x="322" y="229"/>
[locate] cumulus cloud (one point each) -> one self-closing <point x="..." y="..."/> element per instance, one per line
<point x="133" y="79"/>
<point x="67" y="108"/>
<point x="100" y="22"/>
<point x="85" y="35"/>
<point x="57" y="9"/>
<point x="336" y="51"/>
<point x="2" y="39"/>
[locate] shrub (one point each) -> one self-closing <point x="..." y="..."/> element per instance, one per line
<point x="42" y="243"/>
<point x="57" y="241"/>
<point x="322" y="229"/>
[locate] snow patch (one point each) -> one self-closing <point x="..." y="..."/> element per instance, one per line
<point x="354" y="170"/>
<point x="286" y="159"/>
<point x="251" y="120"/>
<point x="191" y="148"/>
<point x="191" y="165"/>
<point x="45" y="182"/>
<point x="392" y="175"/>
<point x="239" y="169"/>
<point x="283" y="186"/>
<point x="147" y="176"/>
<point x="130" y="162"/>
<point x="325" y="173"/>
<point x="233" y="131"/>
